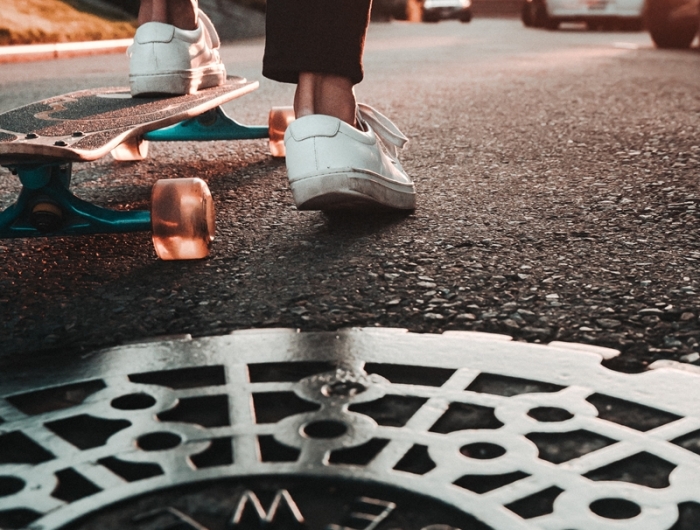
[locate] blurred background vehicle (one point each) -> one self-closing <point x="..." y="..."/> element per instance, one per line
<point x="597" y="14"/>
<point x="672" y="23"/>
<point x="436" y="10"/>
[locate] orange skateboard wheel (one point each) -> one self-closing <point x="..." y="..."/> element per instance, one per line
<point x="280" y="118"/>
<point x="182" y="219"/>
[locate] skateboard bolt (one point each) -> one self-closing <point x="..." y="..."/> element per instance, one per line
<point x="78" y="134"/>
<point x="60" y="143"/>
<point x="31" y="136"/>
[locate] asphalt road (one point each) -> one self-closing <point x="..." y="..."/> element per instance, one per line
<point x="558" y="188"/>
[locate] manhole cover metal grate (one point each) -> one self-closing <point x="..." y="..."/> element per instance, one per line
<point x="515" y="435"/>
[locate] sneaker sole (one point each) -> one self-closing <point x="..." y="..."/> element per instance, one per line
<point x="351" y="189"/>
<point x="176" y="83"/>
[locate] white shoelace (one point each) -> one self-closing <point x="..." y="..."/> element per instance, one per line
<point x="391" y="138"/>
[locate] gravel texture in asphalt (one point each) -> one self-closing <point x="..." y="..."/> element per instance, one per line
<point x="558" y="188"/>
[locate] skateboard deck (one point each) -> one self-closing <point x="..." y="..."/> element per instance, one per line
<point x="88" y="124"/>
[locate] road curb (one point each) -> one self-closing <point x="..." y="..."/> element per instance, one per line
<point x="42" y="52"/>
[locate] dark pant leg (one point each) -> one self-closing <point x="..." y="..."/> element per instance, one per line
<point x="320" y="36"/>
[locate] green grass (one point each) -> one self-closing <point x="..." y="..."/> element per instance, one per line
<point x="50" y="21"/>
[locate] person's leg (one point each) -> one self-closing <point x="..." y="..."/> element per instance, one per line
<point x="328" y="94"/>
<point x="180" y="13"/>
<point x="318" y="45"/>
<point x="338" y="154"/>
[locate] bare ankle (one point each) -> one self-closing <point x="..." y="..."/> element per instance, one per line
<point x="327" y="94"/>
<point x="183" y="14"/>
<point x="180" y="13"/>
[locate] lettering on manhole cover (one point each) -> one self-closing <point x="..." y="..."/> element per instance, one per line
<point x="362" y="429"/>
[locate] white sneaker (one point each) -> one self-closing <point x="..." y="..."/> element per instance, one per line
<point x="332" y="165"/>
<point x="167" y="60"/>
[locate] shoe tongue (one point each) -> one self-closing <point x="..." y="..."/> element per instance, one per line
<point x="390" y="137"/>
<point x="382" y="126"/>
<point x="209" y="29"/>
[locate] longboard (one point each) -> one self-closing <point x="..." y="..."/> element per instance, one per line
<point x="40" y="141"/>
<point x="88" y="124"/>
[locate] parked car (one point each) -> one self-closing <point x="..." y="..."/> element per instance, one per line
<point x="436" y="10"/>
<point x="597" y="14"/>
<point x="672" y="23"/>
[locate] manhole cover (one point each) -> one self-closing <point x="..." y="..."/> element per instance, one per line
<point x="362" y="429"/>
